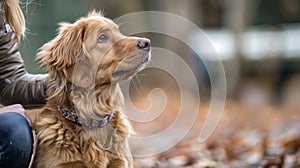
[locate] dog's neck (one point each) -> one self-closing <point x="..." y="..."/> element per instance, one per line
<point x="72" y="115"/>
<point x="89" y="102"/>
<point x="95" y="101"/>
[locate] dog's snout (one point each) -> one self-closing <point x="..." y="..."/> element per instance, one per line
<point x="144" y="44"/>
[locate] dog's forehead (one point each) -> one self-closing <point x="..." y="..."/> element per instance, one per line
<point x="103" y="22"/>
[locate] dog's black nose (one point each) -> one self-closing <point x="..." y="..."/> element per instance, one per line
<point x="144" y="44"/>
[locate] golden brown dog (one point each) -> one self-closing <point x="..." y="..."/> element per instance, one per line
<point x="82" y="124"/>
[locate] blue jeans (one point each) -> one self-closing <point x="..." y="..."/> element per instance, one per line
<point x="15" y="141"/>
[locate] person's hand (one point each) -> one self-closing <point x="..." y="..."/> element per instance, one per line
<point x="18" y="108"/>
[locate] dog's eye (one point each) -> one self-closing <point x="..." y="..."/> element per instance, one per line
<point x="103" y="38"/>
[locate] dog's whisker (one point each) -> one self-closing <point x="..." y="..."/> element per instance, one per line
<point x="151" y="62"/>
<point x="136" y="84"/>
<point x="139" y="81"/>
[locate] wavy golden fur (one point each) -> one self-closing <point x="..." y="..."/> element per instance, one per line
<point x="15" y="17"/>
<point x="86" y="60"/>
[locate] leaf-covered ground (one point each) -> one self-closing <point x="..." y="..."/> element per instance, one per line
<point x="246" y="137"/>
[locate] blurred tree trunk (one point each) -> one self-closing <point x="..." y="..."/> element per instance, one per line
<point x="190" y="10"/>
<point x="238" y="14"/>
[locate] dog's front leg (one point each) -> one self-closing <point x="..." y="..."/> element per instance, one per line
<point x="119" y="163"/>
<point x="75" y="164"/>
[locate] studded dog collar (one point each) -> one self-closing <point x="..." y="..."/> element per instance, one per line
<point x="71" y="115"/>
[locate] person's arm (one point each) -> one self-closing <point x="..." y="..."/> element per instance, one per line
<point x="16" y="85"/>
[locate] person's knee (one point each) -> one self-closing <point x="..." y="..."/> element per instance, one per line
<point x="16" y="126"/>
<point x="16" y="139"/>
<point x="21" y="131"/>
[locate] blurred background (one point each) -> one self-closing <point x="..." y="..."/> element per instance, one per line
<point x="258" y="43"/>
<point x="257" y="40"/>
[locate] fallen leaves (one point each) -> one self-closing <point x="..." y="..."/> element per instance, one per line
<point x="246" y="143"/>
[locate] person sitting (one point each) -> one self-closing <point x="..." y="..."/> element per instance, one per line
<point x="18" y="89"/>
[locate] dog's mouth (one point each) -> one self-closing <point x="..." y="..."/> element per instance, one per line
<point x="129" y="70"/>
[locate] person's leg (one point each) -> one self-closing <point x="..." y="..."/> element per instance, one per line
<point x="15" y="141"/>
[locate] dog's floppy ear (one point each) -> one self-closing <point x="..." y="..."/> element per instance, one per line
<point x="62" y="52"/>
<point x="81" y="74"/>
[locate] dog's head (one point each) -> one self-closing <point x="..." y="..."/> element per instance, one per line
<point x="92" y="51"/>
